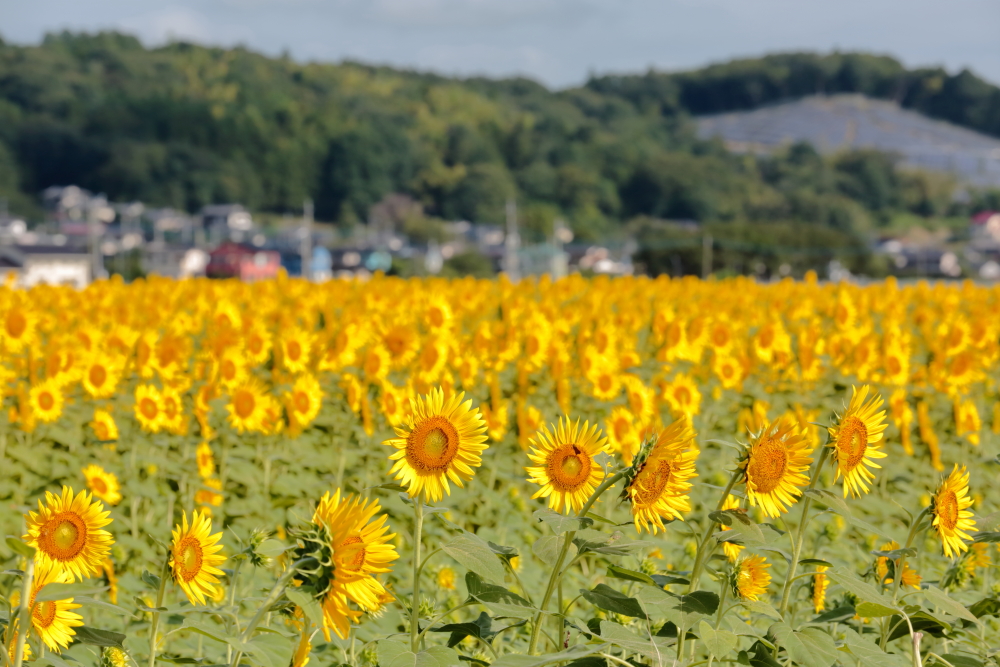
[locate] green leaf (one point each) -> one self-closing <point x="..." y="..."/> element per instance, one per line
<point x="607" y="598"/>
<point x="308" y="603"/>
<point x="959" y="660"/>
<point x="497" y="598"/>
<point x="547" y="547"/>
<point x="922" y="622"/>
<point x="271" y="548"/>
<point x="151" y="579"/>
<point x="662" y="580"/>
<point x="629" y="575"/>
<point x="868" y="652"/>
<point x="855" y="586"/>
<point x="699" y="602"/>
<point x="762" y="656"/>
<point x="20" y="548"/>
<point x="835" y="615"/>
<point x="718" y="642"/>
<point x="479" y="628"/>
<point x="217" y="633"/>
<point x="503" y="552"/>
<point x="269" y="649"/>
<point x="761" y="607"/>
<point x="475" y="554"/>
<point x="653" y="647"/>
<point x="982" y="536"/>
<point x="658" y="604"/>
<point x="838" y="505"/>
<point x="520" y="660"/>
<point x="95" y="637"/>
<point x="53" y="661"/>
<point x="985" y="607"/>
<point x="874" y="610"/>
<point x="810" y="647"/>
<point x="896" y="554"/>
<point x="106" y="606"/>
<point x="815" y="561"/>
<point x="51" y="592"/>
<point x="946" y="604"/>
<point x="561" y="523"/>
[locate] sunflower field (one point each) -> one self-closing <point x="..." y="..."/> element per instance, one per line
<point x="434" y="473"/>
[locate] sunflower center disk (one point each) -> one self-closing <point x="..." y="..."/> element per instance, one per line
<point x="301" y="402"/>
<point x="432" y="445"/>
<point x="569" y="466"/>
<point x="768" y="466"/>
<point x="16" y="324"/>
<point x="45" y="401"/>
<point x="351" y="553"/>
<point x="947" y="509"/>
<point x="44" y="614"/>
<point x="148" y="408"/>
<point x="244" y="404"/>
<point x="190" y="559"/>
<point x="852" y="442"/>
<point x="651" y="485"/>
<point x="64" y="536"/>
<point x="294" y="350"/>
<point x="98" y="485"/>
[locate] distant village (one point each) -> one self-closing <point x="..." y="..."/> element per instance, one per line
<point x="86" y="237"/>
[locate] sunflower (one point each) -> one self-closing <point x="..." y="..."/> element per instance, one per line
<point x="910" y="576"/>
<point x="19" y="328"/>
<point x="441" y="440"/>
<point x="53" y="620"/>
<point x="194" y="557"/>
<point x="564" y="463"/>
<point x="775" y="463"/>
<point x="820" y="582"/>
<point x="750" y="577"/>
<point x="67" y="532"/>
<point x="854" y="438"/>
<point x="100" y="376"/>
<point x="393" y="402"/>
<point x="728" y="370"/>
<point x="112" y="656"/>
<point x="529" y="420"/>
<point x="967" y="421"/>
<point x="112" y="579"/>
<point x="46" y="401"/>
<point x="446" y="579"/>
<point x="352" y="546"/>
<point x="731" y="549"/>
<point x="173" y="412"/>
<point x="605" y="380"/>
<point x="103" y="484"/>
<point x="296" y="349"/>
<point x="205" y="459"/>
<point x="231" y="368"/>
<point x="682" y="395"/>
<point x="148" y="411"/>
<point x="952" y="517"/>
<point x="623" y="436"/>
<point x="640" y="399"/>
<point x="304" y="401"/>
<point x="660" y="486"/>
<point x="247" y="407"/>
<point x="376" y="363"/>
<point x="104" y="427"/>
<point x="257" y="346"/>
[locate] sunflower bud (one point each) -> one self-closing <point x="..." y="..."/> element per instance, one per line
<point x="112" y="656"/>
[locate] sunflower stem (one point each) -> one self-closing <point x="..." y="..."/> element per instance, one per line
<point x="272" y="597"/>
<point x="801" y="531"/>
<point x="901" y="563"/>
<point x="556" y="570"/>
<point x="154" y="626"/>
<point x="418" y="529"/>
<point x="24" y="613"/>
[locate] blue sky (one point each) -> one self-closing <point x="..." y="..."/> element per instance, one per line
<point x="558" y="42"/>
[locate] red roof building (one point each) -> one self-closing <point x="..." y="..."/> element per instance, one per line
<point x="239" y="260"/>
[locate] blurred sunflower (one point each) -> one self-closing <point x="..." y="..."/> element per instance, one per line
<point x="910" y="576"/>
<point x="100" y="376"/>
<point x="19" y="328"/>
<point x="659" y="487"/>
<point x="564" y="463"/>
<point x="46" y="401"/>
<point x="67" y="533"/>
<point x="820" y="582"/>
<point x="147" y="408"/>
<point x="854" y="439"/>
<point x="195" y="557"/>
<point x="623" y="436"/>
<point x="682" y="395"/>
<point x="775" y="463"/>
<point x="295" y="346"/>
<point x="441" y="440"/>
<point x="103" y="484"/>
<point x="950" y="507"/>
<point x="104" y="426"/>
<point x="304" y="401"/>
<point x="205" y="459"/>
<point x="247" y="407"/>
<point x="750" y="577"/>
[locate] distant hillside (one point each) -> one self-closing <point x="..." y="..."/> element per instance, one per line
<point x="962" y="98"/>
<point x="842" y="122"/>
<point x="185" y="125"/>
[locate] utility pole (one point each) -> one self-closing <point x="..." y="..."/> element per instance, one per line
<point x="706" y="256"/>
<point x="560" y="235"/>
<point x="512" y="242"/>
<point x="94" y="226"/>
<point x="305" y="243"/>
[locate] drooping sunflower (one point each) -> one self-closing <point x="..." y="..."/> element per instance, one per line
<point x="148" y="411"/>
<point x="775" y="464"/>
<point x="247" y="407"/>
<point x="53" y="620"/>
<point x="659" y="488"/>
<point x="820" y="582"/>
<point x="564" y="463"/>
<point x="351" y="547"/>
<point x="854" y="439"/>
<point x="46" y="400"/>
<point x="67" y="532"/>
<point x="952" y="517"/>
<point x="194" y="557"/>
<point x="103" y="484"/>
<point x="104" y="426"/>
<point x="304" y="401"/>
<point x="441" y="440"/>
<point x="750" y="577"/>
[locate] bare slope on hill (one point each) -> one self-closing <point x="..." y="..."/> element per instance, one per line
<point x="839" y="122"/>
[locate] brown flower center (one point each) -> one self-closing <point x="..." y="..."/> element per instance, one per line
<point x="301" y="401"/>
<point x="98" y="375"/>
<point x="432" y="445"/>
<point x="351" y="553"/>
<point x="568" y="467"/>
<point x="63" y="536"/>
<point x="946" y="507"/>
<point x="651" y="482"/>
<point x="98" y="486"/>
<point x="44" y="614"/>
<point x="852" y="442"/>
<point x="244" y="403"/>
<point x="768" y="461"/>
<point x="148" y="408"/>
<point x="46" y="401"/>
<point x="294" y="350"/>
<point x="17" y="323"/>
<point x="188" y="558"/>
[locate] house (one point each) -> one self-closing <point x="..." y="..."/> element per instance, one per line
<point x="47" y="264"/>
<point x="226" y="222"/>
<point x="243" y="261"/>
<point x="986" y="228"/>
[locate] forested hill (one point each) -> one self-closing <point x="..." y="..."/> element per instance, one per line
<point x="186" y="125"/>
<point x="962" y="98"/>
